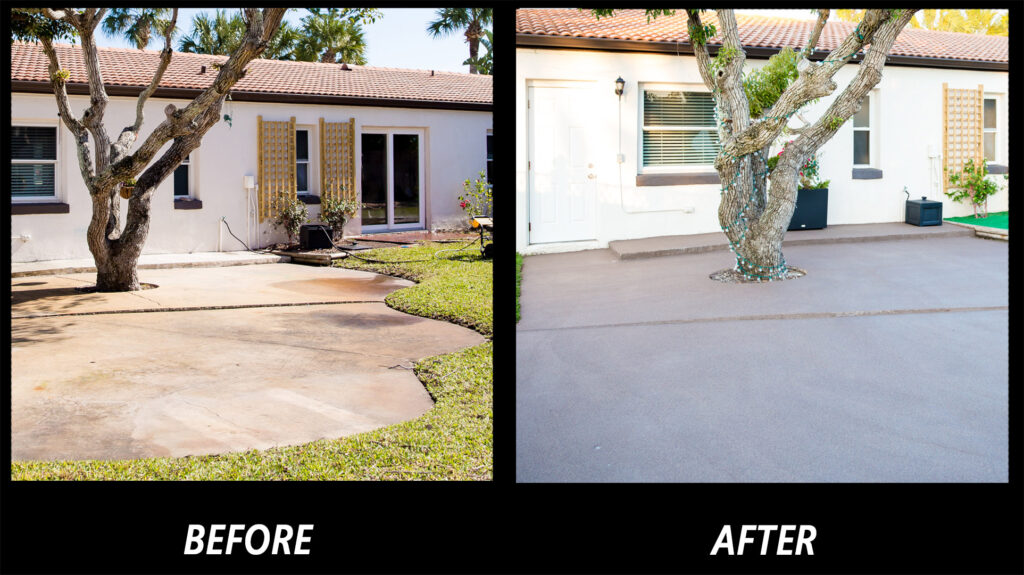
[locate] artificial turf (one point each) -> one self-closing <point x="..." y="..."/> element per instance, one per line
<point x="999" y="220"/>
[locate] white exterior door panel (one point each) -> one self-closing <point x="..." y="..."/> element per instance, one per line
<point x="563" y="194"/>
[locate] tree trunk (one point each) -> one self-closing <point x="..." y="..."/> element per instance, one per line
<point x="473" y="37"/>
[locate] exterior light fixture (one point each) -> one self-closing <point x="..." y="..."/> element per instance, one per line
<point x="620" y="84"/>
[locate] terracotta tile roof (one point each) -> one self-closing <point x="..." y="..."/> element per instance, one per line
<point x="132" y="67"/>
<point x="755" y="31"/>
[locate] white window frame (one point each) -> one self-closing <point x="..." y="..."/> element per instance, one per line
<point x="997" y="157"/>
<point x="310" y="166"/>
<point x="389" y="156"/>
<point x="644" y="87"/>
<point x="488" y="156"/>
<point x="871" y="129"/>
<point x="56" y="197"/>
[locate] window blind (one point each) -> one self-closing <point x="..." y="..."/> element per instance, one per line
<point x="679" y="128"/>
<point x="32" y="180"/>
<point x="33" y="143"/>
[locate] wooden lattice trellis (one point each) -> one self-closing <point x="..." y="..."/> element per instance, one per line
<point x="276" y="149"/>
<point x="337" y="159"/>
<point x="962" y="129"/>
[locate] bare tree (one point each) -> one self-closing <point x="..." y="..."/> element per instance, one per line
<point x="105" y="162"/>
<point x="753" y="213"/>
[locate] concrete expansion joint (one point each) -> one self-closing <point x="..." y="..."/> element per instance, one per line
<point x="190" y="308"/>
<point x="768" y="317"/>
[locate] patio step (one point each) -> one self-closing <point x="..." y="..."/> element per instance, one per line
<point x="702" y="243"/>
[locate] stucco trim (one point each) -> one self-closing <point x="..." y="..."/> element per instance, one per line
<point x="679" y="179"/>
<point x="867" y="174"/>
<point x="26" y="208"/>
<point x="239" y="96"/>
<point x="682" y="48"/>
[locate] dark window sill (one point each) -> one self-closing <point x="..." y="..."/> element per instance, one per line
<point x="683" y="179"/>
<point x="867" y="174"/>
<point x="309" y="199"/>
<point x="188" y="204"/>
<point x="998" y="169"/>
<point x="39" y="208"/>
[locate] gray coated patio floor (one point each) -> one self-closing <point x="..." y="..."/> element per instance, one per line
<point x="886" y="363"/>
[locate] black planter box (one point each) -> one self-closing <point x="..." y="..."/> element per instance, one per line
<point x="924" y="212"/>
<point x="811" y="209"/>
<point x="313" y="237"/>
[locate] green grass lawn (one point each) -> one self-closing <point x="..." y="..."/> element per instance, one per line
<point x="452" y="441"/>
<point x="999" y="220"/>
<point x="519" y="274"/>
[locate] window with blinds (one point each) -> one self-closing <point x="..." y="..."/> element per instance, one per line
<point x="679" y="128"/>
<point x="33" y="162"/>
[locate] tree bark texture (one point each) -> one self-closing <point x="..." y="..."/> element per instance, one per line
<point x="105" y="164"/>
<point x="754" y="211"/>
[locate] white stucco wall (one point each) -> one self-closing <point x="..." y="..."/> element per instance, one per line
<point x="454" y="150"/>
<point x="907" y="117"/>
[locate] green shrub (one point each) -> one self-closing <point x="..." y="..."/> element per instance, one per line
<point x="972" y="185"/>
<point x="293" y="214"/>
<point x="765" y="85"/>
<point x="336" y="211"/>
<point x="477" y="197"/>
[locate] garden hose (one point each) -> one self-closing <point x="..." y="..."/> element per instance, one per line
<point x="373" y="261"/>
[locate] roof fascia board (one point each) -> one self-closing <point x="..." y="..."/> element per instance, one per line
<point x="685" y="49"/>
<point x="31" y="87"/>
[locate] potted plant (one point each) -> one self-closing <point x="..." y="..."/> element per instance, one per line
<point x="811" y="210"/>
<point x="336" y="211"/>
<point x="291" y="217"/>
<point x="972" y="185"/>
<point x="126" y="188"/>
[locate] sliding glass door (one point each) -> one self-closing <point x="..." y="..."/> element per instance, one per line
<point x="392" y="179"/>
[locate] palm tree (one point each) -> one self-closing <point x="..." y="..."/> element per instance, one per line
<point x="333" y="35"/>
<point x="218" y="35"/>
<point x="473" y="20"/>
<point x="136" y="24"/>
<point x="223" y="33"/>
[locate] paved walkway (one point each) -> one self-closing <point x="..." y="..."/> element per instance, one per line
<point x="213" y="360"/>
<point x="887" y="362"/>
<point x="148" y="262"/>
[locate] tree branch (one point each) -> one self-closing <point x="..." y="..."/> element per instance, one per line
<point x="816" y="33"/>
<point x="868" y="76"/>
<point x="129" y="134"/>
<point x="262" y="26"/>
<point x="700" y="50"/>
<point x="57" y="83"/>
<point x="814" y="81"/>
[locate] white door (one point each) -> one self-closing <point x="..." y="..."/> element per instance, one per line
<point x="563" y="194"/>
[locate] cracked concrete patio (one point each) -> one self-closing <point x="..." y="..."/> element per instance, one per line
<point x="213" y="360"/>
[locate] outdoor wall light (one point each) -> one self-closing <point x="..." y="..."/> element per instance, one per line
<point x="620" y="84"/>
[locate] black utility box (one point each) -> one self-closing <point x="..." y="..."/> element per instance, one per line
<point x="314" y="237"/>
<point x="924" y="212"/>
<point x="811" y="210"/>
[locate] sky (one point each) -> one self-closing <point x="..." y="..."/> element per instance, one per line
<point x="398" y="40"/>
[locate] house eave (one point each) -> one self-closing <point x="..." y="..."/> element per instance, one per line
<point x="682" y="48"/>
<point x="38" y="87"/>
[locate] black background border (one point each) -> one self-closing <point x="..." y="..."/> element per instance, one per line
<point x="502" y="527"/>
